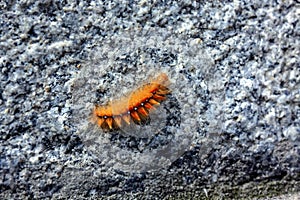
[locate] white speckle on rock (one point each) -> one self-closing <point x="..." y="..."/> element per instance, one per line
<point x="34" y="159"/>
<point x="246" y="82"/>
<point x="292" y="132"/>
<point x="60" y="44"/>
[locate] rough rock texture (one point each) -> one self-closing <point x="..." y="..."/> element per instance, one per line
<point x="230" y="129"/>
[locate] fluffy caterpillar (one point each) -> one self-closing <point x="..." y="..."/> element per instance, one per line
<point x="134" y="107"/>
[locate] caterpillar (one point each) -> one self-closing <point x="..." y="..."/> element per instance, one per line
<point x="133" y="107"/>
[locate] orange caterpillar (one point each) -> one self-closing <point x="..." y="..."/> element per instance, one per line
<point x="133" y="107"/>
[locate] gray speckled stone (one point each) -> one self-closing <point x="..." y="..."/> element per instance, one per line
<point x="230" y="129"/>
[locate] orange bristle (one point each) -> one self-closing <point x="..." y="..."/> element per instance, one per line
<point x="153" y="102"/>
<point x="118" y="121"/>
<point x="135" y="116"/>
<point x="126" y="118"/>
<point x="159" y="98"/>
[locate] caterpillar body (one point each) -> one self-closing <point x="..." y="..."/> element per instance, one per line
<point x="134" y="107"/>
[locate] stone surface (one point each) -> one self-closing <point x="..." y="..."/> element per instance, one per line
<point x="230" y="128"/>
